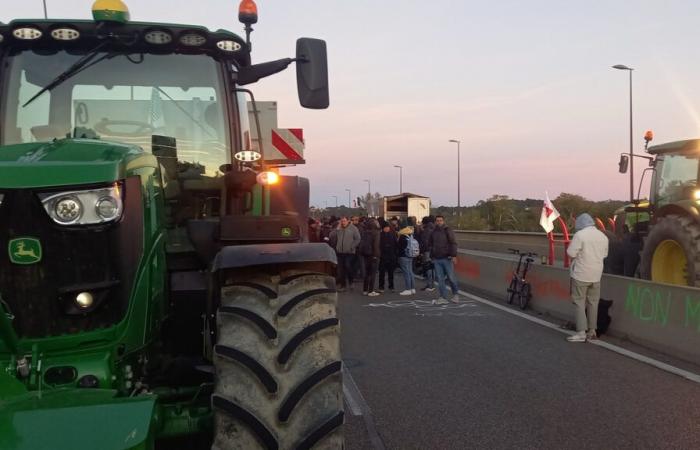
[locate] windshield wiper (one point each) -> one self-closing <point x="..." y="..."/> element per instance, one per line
<point x="73" y="70"/>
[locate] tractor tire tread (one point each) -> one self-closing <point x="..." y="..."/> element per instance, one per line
<point x="301" y="362"/>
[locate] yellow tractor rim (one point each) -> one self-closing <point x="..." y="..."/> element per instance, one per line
<point x="669" y="264"/>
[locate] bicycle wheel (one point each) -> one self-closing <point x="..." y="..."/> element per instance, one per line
<point x="512" y="290"/>
<point x="524" y="295"/>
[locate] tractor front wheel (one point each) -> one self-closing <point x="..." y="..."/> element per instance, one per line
<point x="278" y="364"/>
<point x="672" y="251"/>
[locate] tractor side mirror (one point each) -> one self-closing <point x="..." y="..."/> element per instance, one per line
<point x="312" y="73"/>
<point x="624" y="163"/>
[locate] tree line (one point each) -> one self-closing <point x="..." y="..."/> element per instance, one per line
<point x="502" y="213"/>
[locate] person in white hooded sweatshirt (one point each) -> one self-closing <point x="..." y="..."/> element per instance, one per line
<point x="588" y="249"/>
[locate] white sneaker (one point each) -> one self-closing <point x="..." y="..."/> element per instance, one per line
<point x="455" y="299"/>
<point x="441" y="301"/>
<point x="578" y="337"/>
<point x="406" y="292"/>
<point x="413" y="291"/>
<point x="373" y="294"/>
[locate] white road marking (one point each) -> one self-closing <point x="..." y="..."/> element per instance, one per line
<point x="354" y="396"/>
<point x="622" y="351"/>
<point x="350" y="400"/>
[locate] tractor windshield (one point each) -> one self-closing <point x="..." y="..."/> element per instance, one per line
<point x="677" y="179"/>
<point x="120" y="97"/>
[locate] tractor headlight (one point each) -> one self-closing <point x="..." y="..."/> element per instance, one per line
<point x="67" y="210"/>
<point x="84" y="300"/>
<point x="89" y="207"/>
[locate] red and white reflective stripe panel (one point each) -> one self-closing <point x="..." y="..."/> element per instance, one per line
<point x="289" y="142"/>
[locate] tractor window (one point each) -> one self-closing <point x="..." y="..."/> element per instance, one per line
<point x="677" y="179"/>
<point x="127" y="98"/>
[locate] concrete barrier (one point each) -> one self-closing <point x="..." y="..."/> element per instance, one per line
<point x="501" y="241"/>
<point x="662" y="317"/>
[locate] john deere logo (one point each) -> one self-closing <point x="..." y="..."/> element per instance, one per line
<point x="286" y="231"/>
<point x="24" y="250"/>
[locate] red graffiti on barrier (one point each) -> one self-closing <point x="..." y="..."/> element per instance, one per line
<point x="467" y="267"/>
<point x="543" y="286"/>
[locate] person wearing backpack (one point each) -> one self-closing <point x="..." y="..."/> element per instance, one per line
<point x="370" y="252"/>
<point x="442" y="245"/>
<point x="408" y="248"/>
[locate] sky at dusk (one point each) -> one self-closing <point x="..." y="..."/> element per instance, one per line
<point x="526" y="86"/>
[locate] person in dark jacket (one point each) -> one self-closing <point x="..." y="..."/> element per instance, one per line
<point x="443" y="251"/>
<point x="388" y="258"/>
<point x="314" y="230"/>
<point x="370" y="252"/>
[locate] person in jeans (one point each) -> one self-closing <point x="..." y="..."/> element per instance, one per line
<point x="369" y="250"/>
<point x="405" y="261"/>
<point x="588" y="249"/>
<point x="388" y="256"/>
<point x="442" y="245"/>
<point x="345" y="240"/>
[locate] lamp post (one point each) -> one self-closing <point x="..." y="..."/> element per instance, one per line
<point x="46" y="16"/>
<point x="629" y="69"/>
<point x="369" y="186"/>
<point x="336" y="200"/>
<point x="400" y="179"/>
<point x="459" y="182"/>
<point x="349" y="200"/>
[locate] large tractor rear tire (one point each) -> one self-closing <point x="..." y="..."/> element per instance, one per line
<point x="278" y="364"/>
<point x="672" y="251"/>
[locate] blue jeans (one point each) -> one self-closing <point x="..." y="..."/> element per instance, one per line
<point x="406" y="265"/>
<point x="444" y="268"/>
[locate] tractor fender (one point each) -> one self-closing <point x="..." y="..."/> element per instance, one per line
<point x="683" y="208"/>
<point x="267" y="254"/>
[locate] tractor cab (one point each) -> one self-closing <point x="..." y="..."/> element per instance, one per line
<point x="675" y="182"/>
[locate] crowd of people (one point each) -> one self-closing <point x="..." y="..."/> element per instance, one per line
<point x="372" y="249"/>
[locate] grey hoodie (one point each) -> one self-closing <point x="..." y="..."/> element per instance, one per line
<point x="583" y="221"/>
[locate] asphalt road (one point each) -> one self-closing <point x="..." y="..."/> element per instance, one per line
<point x="471" y="376"/>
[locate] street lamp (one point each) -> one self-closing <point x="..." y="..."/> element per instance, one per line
<point x="459" y="201"/>
<point x="336" y="200"/>
<point x="629" y="69"/>
<point x="400" y="179"/>
<point x="349" y="201"/>
<point x="369" y="187"/>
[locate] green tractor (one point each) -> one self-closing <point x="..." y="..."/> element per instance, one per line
<point x="156" y="286"/>
<point x="670" y="221"/>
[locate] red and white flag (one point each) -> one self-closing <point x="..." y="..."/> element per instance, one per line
<point x="549" y="214"/>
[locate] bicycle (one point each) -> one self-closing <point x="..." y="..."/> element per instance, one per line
<point x="518" y="284"/>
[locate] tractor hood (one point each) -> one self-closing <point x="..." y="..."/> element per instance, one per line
<point x="68" y="162"/>
<point x="74" y="419"/>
